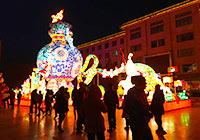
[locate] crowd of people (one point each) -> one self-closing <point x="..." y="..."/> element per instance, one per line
<point x="137" y="112"/>
<point x="89" y="105"/>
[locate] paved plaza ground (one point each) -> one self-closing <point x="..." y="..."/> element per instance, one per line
<point x="183" y="124"/>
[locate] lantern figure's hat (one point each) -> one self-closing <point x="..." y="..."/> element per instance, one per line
<point x="58" y="27"/>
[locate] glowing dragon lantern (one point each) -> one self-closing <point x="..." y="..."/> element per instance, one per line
<point x="60" y="59"/>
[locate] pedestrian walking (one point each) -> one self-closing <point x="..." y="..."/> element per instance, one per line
<point x="91" y="112"/>
<point x="19" y="95"/>
<point x="112" y="102"/>
<point x="157" y="108"/>
<point x="12" y="98"/>
<point x="40" y="98"/>
<point x="124" y="114"/>
<point x="48" y="101"/>
<point x="61" y="106"/>
<point x="75" y="102"/>
<point x="82" y="94"/>
<point x="136" y="106"/>
<point x="67" y="96"/>
<point x="33" y="102"/>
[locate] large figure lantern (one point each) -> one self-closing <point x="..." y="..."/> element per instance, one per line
<point x="59" y="59"/>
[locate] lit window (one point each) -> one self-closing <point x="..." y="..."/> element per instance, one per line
<point x="115" y="53"/>
<point x="189" y="67"/>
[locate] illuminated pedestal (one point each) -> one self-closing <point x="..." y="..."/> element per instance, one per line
<point x="168" y="106"/>
<point x="172" y="105"/>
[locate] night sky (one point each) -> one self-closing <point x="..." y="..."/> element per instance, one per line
<point x="24" y="24"/>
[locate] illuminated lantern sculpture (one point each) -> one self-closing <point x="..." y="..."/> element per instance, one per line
<point x="59" y="59"/>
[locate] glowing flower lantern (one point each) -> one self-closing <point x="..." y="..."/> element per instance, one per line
<point x="182" y="95"/>
<point x="26" y="88"/>
<point x="178" y="83"/>
<point x="59" y="59"/>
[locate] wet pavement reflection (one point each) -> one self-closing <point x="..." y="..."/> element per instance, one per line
<point x="16" y="124"/>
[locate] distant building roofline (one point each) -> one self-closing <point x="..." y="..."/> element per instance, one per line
<point x="162" y="11"/>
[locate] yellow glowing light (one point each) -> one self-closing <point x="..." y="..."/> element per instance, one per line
<point x="102" y="90"/>
<point x="178" y="83"/>
<point x="167" y="79"/>
<point x="93" y="70"/>
<point x="58" y="16"/>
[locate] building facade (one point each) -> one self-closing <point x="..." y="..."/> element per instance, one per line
<point x="107" y="49"/>
<point x="169" y="37"/>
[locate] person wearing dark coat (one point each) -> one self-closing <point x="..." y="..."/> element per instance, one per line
<point x="19" y="95"/>
<point x="124" y="114"/>
<point x="157" y="108"/>
<point x="40" y="98"/>
<point x="91" y="112"/>
<point x="111" y="101"/>
<point x="74" y="99"/>
<point x="33" y="101"/>
<point x="136" y="106"/>
<point x="12" y="98"/>
<point x="48" y="101"/>
<point x="81" y="95"/>
<point x="67" y="96"/>
<point x="61" y="106"/>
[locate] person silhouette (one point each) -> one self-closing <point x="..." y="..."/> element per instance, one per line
<point x="81" y="95"/>
<point x="33" y="101"/>
<point x="136" y="106"/>
<point x="157" y="108"/>
<point x="40" y="98"/>
<point x="19" y="95"/>
<point x="112" y="102"/>
<point x="124" y="115"/>
<point x="48" y="101"/>
<point x="91" y="110"/>
<point x="61" y="106"/>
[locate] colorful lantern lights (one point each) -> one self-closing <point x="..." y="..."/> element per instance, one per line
<point x="59" y="59"/>
<point x="57" y="17"/>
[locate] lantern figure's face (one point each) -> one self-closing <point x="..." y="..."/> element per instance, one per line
<point x="59" y="59"/>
